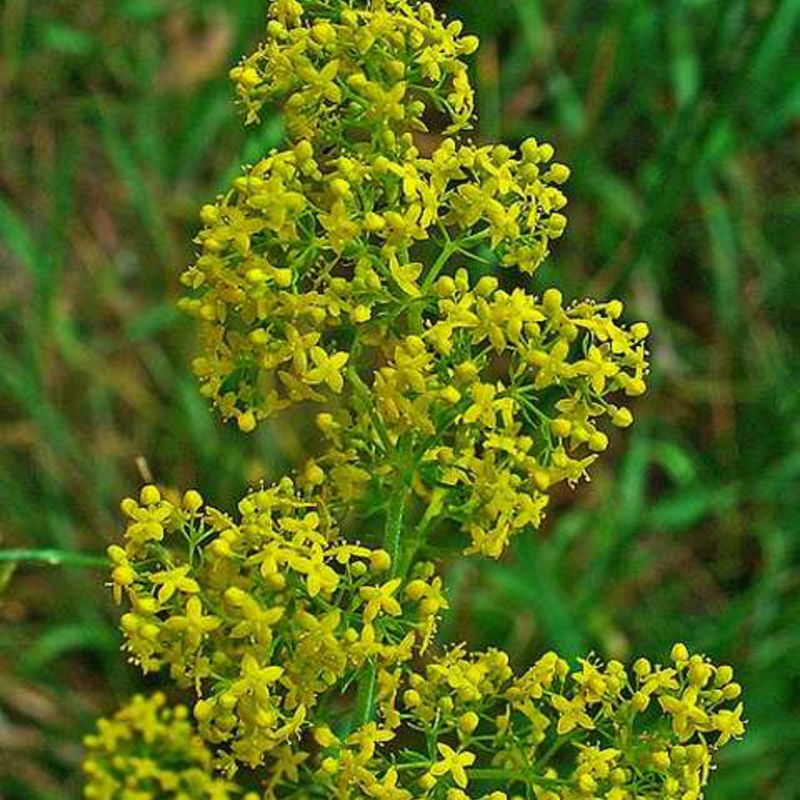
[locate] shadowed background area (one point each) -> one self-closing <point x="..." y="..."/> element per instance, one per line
<point x="680" y="123"/>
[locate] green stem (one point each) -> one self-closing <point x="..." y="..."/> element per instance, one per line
<point x="414" y="765"/>
<point x="392" y="541"/>
<point x="365" y="703"/>
<point x="447" y="251"/>
<point x="393" y="534"/>
<point x="419" y="535"/>
<point x="55" y="558"/>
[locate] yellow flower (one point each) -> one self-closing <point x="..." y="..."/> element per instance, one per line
<point x="194" y="625"/>
<point x="174" y="580"/>
<point x="572" y="713"/>
<point x="687" y="715"/>
<point x="340" y="226"/>
<point x="321" y="83"/>
<point x="327" y="369"/>
<point x="380" y="599"/>
<point x="255" y="679"/>
<point x="319" y="576"/>
<point x="453" y="762"/>
<point x="597" y="368"/>
<point x="387" y="788"/>
<point x="483" y="406"/>
<point x="367" y="737"/>
<point x="405" y="275"/>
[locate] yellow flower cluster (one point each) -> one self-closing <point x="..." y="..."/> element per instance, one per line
<point x="620" y="733"/>
<point x="311" y="251"/>
<point x="351" y="268"/>
<point x="150" y="750"/>
<point x="484" y="451"/>
<point x="502" y="397"/>
<point x="341" y="71"/>
<point x="261" y="615"/>
<point x="354" y="268"/>
<point x="602" y="731"/>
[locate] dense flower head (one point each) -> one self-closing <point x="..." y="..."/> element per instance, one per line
<point x="466" y="726"/>
<point x="600" y="730"/>
<point x="499" y="400"/>
<point x="310" y="252"/>
<point x="148" y="750"/>
<point x="373" y="69"/>
<point x="260" y="616"/>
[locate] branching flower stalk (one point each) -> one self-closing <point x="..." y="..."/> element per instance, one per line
<point x="377" y="270"/>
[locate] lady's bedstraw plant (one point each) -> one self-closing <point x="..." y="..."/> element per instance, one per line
<point x="353" y="269"/>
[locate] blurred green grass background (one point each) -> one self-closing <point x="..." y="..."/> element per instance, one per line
<point x="680" y="121"/>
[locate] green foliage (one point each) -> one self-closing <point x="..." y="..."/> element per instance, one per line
<point x="678" y="121"/>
